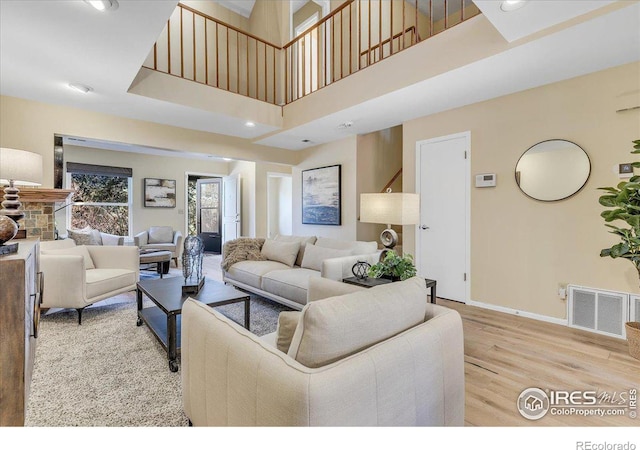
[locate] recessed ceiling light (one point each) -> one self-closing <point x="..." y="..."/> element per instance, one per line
<point x="512" y="5"/>
<point x="249" y="124"/>
<point x="227" y="159"/>
<point x="103" y="5"/>
<point x="81" y="88"/>
<point x="306" y="141"/>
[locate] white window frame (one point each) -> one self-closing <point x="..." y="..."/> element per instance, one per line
<point x="129" y="203"/>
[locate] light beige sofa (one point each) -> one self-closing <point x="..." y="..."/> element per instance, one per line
<point x="378" y="357"/>
<point x="76" y="276"/>
<point x="288" y="262"/>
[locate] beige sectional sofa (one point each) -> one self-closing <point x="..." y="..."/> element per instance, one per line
<point x="377" y="357"/>
<point x="280" y="268"/>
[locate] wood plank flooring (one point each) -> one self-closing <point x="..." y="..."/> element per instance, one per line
<point x="505" y="354"/>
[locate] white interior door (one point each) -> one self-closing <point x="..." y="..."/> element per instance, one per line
<point x="231" y="208"/>
<point x="442" y="180"/>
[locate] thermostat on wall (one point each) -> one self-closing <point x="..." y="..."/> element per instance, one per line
<point x="485" y="180"/>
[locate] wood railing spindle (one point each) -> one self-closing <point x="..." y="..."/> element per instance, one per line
<point x="304" y="71"/>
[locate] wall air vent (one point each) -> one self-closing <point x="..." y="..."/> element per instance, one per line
<point x="603" y="312"/>
<point x="634" y="309"/>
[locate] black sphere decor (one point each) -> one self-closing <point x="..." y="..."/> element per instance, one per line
<point x="360" y="270"/>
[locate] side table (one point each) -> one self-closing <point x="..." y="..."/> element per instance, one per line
<point x="371" y="282"/>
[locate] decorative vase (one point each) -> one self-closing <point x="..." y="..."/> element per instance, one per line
<point x="192" y="255"/>
<point x="8" y="228"/>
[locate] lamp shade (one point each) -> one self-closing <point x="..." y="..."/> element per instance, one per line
<point x="390" y="208"/>
<point x="22" y="167"/>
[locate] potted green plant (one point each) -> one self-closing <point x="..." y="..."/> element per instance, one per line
<point x="624" y="199"/>
<point x="394" y="267"/>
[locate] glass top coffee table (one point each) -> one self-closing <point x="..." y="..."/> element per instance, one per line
<point x="163" y="319"/>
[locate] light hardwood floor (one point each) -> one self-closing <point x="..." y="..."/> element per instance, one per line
<point x="505" y="354"/>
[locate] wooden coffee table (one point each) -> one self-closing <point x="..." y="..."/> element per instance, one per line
<point x="163" y="319"/>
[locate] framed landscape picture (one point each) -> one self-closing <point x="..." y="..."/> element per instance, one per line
<point x="159" y="193"/>
<point x="321" y="196"/>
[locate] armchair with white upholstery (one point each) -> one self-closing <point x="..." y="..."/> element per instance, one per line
<point x="77" y="276"/>
<point x="384" y="356"/>
<point x="161" y="238"/>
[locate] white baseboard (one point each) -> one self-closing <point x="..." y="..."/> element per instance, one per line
<point x="517" y="312"/>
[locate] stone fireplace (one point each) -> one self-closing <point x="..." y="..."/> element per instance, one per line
<point x="39" y="206"/>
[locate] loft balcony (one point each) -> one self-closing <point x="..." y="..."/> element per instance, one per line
<point x="325" y="49"/>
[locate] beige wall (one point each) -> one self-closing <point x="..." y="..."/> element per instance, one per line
<point x="218" y="11"/>
<point x="308" y="10"/>
<point x="270" y="21"/>
<point x="30" y="125"/>
<point x="379" y="157"/>
<point x="522" y="249"/>
<point x="341" y="152"/>
<point x="261" y="187"/>
<point x="147" y="166"/>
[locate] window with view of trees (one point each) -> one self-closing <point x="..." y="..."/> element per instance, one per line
<point x="102" y="198"/>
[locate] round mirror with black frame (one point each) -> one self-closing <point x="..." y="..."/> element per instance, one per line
<point x="553" y="170"/>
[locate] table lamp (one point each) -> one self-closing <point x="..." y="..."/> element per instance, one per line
<point x="390" y="208"/>
<point x="17" y="167"/>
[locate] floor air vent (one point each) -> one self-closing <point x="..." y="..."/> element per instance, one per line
<point x="599" y="311"/>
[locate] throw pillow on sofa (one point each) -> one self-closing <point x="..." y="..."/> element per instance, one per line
<point x="160" y="235"/>
<point x="314" y="255"/>
<point x="284" y="252"/>
<point x="287" y="323"/>
<point x="304" y="240"/>
<point x="85" y="236"/>
<point x="336" y="327"/>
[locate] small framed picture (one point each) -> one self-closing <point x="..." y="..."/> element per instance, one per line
<point x="159" y="193"/>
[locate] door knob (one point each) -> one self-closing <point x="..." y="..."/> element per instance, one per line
<point x="424" y="227"/>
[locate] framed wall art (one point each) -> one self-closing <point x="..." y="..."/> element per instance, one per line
<point x="321" y="196"/>
<point x="159" y="193"/>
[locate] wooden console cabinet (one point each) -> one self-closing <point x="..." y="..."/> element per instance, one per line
<point x="20" y="298"/>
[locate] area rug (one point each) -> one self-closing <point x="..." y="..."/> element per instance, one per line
<point x="109" y="372"/>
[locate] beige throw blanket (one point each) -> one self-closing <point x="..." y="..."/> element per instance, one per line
<point x="241" y="249"/>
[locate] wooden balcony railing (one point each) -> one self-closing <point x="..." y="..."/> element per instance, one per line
<point x="201" y="48"/>
<point x="354" y="36"/>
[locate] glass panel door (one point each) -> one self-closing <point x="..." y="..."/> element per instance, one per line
<point x="208" y="213"/>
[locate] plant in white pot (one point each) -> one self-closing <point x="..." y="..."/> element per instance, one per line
<point x="624" y="203"/>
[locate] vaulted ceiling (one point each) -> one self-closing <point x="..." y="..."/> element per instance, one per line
<point x="44" y="46"/>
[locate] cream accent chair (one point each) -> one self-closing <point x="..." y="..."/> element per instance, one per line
<point x="377" y="357"/>
<point x="78" y="276"/>
<point x="161" y="238"/>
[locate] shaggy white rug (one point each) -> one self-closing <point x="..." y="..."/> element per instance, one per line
<point x="110" y="372"/>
